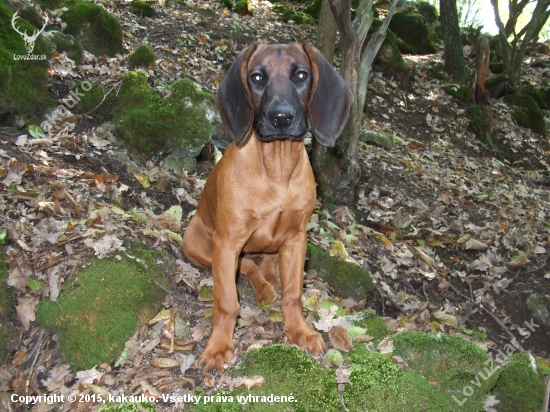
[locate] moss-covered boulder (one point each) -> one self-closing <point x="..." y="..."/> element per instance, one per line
<point x="97" y="101"/>
<point x="152" y="124"/>
<point x="458" y="366"/>
<point x="413" y="33"/>
<point x="520" y="387"/>
<point x="242" y="7"/>
<point x="347" y="279"/>
<point x="288" y="373"/>
<point x="103" y="305"/>
<point x="23" y="74"/>
<point x="142" y="8"/>
<point x="298" y="17"/>
<point x="143" y="56"/>
<point x="65" y="43"/>
<point x="539" y="305"/>
<point x="496" y="85"/>
<point x="390" y="62"/>
<point x="527" y="114"/>
<point x="461" y="93"/>
<point x="97" y="29"/>
<point x="539" y="95"/>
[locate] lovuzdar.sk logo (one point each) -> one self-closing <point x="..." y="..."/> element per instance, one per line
<point x="28" y="39"/>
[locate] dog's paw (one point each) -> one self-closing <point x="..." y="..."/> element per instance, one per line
<point x="266" y="293"/>
<point x="215" y="355"/>
<point x="308" y="340"/>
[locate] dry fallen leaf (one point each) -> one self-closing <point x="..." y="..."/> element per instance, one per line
<point x="26" y="310"/>
<point x="165" y="363"/>
<point x="253" y="382"/>
<point x="340" y="339"/>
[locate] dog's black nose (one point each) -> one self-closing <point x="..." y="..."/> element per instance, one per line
<point x="280" y="117"/>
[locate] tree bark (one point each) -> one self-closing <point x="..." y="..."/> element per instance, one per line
<point x="452" y="54"/>
<point x="337" y="169"/>
<point x="326" y="32"/>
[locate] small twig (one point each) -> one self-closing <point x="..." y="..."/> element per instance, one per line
<point x="546" y="394"/>
<point x="104" y="97"/>
<point x="36" y="349"/>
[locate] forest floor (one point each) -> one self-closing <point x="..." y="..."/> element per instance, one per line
<point x="456" y="240"/>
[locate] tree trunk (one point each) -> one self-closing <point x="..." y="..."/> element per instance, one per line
<point x="513" y="51"/>
<point x="337" y="169"/>
<point x="486" y="128"/>
<point x="326" y="32"/>
<point x="452" y="54"/>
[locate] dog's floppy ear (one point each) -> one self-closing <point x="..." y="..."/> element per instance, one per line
<point x="330" y="99"/>
<point x="233" y="97"/>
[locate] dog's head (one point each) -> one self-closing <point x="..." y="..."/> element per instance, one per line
<point x="276" y="88"/>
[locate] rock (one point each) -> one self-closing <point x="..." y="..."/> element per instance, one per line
<point x="519" y="386"/>
<point x="103" y="305"/>
<point x="178" y="160"/>
<point x="143" y="9"/>
<point x="348" y="279"/>
<point x="143" y="56"/>
<point x="98" y="30"/>
<point x="391" y="63"/>
<point x="24" y="83"/>
<point x="242" y="7"/>
<point x="540" y="306"/>
<point x="151" y="124"/>
<point x="496" y="85"/>
<point x="528" y="114"/>
<point x="66" y="43"/>
<point x="413" y="33"/>
<point x="381" y="139"/>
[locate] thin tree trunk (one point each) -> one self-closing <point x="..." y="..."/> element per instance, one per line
<point x="326" y="32"/>
<point x="452" y="54"/>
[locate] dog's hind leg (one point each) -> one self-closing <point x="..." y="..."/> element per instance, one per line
<point x="197" y="246"/>
<point x="263" y="288"/>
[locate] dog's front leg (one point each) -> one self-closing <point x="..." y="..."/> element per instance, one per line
<point x="219" y="348"/>
<point x="291" y="265"/>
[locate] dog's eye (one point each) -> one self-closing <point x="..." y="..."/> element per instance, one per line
<point x="257" y="77"/>
<point x="301" y="75"/>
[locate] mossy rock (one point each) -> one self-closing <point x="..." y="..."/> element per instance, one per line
<point x="528" y="114"/>
<point x="496" y="85"/>
<point x="152" y="124"/>
<point x="519" y="386"/>
<point x="143" y="56"/>
<point x="98" y="101"/>
<point x="313" y="9"/>
<point x="429" y="11"/>
<point x="479" y="125"/>
<point x="379" y="385"/>
<point x="24" y="83"/>
<point x="103" y="305"/>
<point x="50" y="4"/>
<point x="8" y="331"/>
<point x="143" y="9"/>
<point x="347" y="279"/>
<point x="436" y="73"/>
<point x="374" y="325"/>
<point x="97" y="29"/>
<point x="288" y="372"/>
<point x="459" y="366"/>
<point x="242" y="7"/>
<point x="540" y="96"/>
<point x="69" y="45"/>
<point x="460" y="93"/>
<point x="413" y="32"/>
<point x="298" y="18"/>
<point x="390" y="62"/>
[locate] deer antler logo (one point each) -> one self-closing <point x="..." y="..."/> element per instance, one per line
<point x="29" y="40"/>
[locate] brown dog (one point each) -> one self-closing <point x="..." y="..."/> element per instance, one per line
<point x="259" y="198"/>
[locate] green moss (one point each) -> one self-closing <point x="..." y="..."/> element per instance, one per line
<point x="152" y="124"/>
<point x="429" y="11"/>
<point x="298" y="18"/>
<point x="24" y="83"/>
<point x="128" y="407"/>
<point x="97" y="101"/>
<point x="68" y="44"/>
<point x="51" y="4"/>
<point x="462" y="93"/>
<point x="540" y="96"/>
<point x="452" y="362"/>
<point x="519" y="387"/>
<point x="313" y="9"/>
<point x="412" y="30"/>
<point x="101" y="307"/>
<point x="287" y="371"/>
<point x="348" y="279"/>
<point x="97" y="29"/>
<point x="378" y="385"/>
<point x="7" y="316"/>
<point x="374" y="325"/>
<point x="143" y="9"/>
<point x="496" y="84"/>
<point x="143" y="56"/>
<point x="528" y="114"/>
<point x="242" y="7"/>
